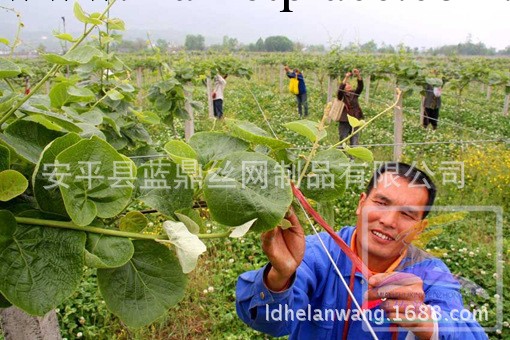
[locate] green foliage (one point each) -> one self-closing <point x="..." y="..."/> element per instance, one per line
<point x="146" y="287"/>
<point x="278" y="43"/>
<point x="194" y="42"/>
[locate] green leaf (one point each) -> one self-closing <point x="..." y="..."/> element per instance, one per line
<point x="8" y="69"/>
<point x="115" y="95"/>
<point x="104" y="251"/>
<point x="146" y="287"/>
<point x="100" y="181"/>
<point x="83" y="17"/>
<point x="54" y="122"/>
<point x="215" y="146"/>
<point x="134" y="222"/>
<point x="28" y="139"/>
<point x="83" y="54"/>
<point x="83" y="93"/>
<point x="307" y="128"/>
<point x="325" y="179"/>
<point x="116" y="24"/>
<point x="4" y="41"/>
<point x="56" y="59"/>
<point x="191" y="216"/>
<point x="187" y="245"/>
<point x="361" y="153"/>
<point x="5" y="158"/>
<point x="65" y="36"/>
<point x="253" y="134"/>
<point x="40" y="266"/>
<point x="179" y="151"/>
<point x="147" y="117"/>
<point x="246" y="186"/>
<point x="165" y="186"/>
<point x="7" y="102"/>
<point x="59" y="95"/>
<point x="192" y="226"/>
<point x="46" y="175"/>
<point x="507" y="90"/>
<point x="353" y="121"/>
<point x="12" y="184"/>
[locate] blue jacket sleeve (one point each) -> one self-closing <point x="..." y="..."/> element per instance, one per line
<point x="442" y="292"/>
<point x="263" y="309"/>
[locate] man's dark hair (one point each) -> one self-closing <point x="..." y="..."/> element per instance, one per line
<point x="410" y="173"/>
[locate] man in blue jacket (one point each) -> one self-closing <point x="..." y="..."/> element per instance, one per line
<point x="299" y="292"/>
<point x="301" y="96"/>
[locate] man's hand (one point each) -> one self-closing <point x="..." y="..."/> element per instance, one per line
<point x="356" y="72"/>
<point x="403" y="301"/>
<point x="348" y="75"/>
<point x="285" y="250"/>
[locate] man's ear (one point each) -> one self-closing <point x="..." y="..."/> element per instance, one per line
<point x="362" y="199"/>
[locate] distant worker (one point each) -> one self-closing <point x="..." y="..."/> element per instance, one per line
<point x="301" y="95"/>
<point x="352" y="108"/>
<point x="217" y="95"/>
<point x="432" y="104"/>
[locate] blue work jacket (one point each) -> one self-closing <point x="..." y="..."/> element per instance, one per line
<point x="312" y="307"/>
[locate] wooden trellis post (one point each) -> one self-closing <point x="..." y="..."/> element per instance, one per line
<point x="367" y="88"/>
<point x="209" y="97"/>
<point x="505" y="107"/>
<point x="331" y="87"/>
<point x="282" y="77"/>
<point x="139" y="84"/>
<point x="189" y="124"/>
<point x="398" y="129"/>
<point x="422" y="110"/>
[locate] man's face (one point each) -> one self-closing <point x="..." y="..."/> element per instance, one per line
<point x="397" y="207"/>
<point x="348" y="87"/>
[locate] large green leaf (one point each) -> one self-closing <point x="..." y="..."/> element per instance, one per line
<point x="252" y="133"/>
<point x="12" y="184"/>
<point x="326" y="177"/>
<point x="80" y="55"/>
<point x="146" y="287"/>
<point x="104" y="251"/>
<point x="53" y="121"/>
<point x="83" y="54"/>
<point x="83" y="93"/>
<point x="46" y="175"/>
<point x="179" y="151"/>
<point x="8" y="69"/>
<point x="361" y="153"/>
<point x="214" y="146"/>
<point x="308" y="129"/>
<point x="28" y="139"/>
<point x="165" y="186"/>
<point x="247" y="186"/>
<point x="5" y="158"/>
<point x="99" y="183"/>
<point x="39" y="266"/>
<point x="134" y="222"/>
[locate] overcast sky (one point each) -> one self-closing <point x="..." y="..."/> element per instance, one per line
<point x="416" y="23"/>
